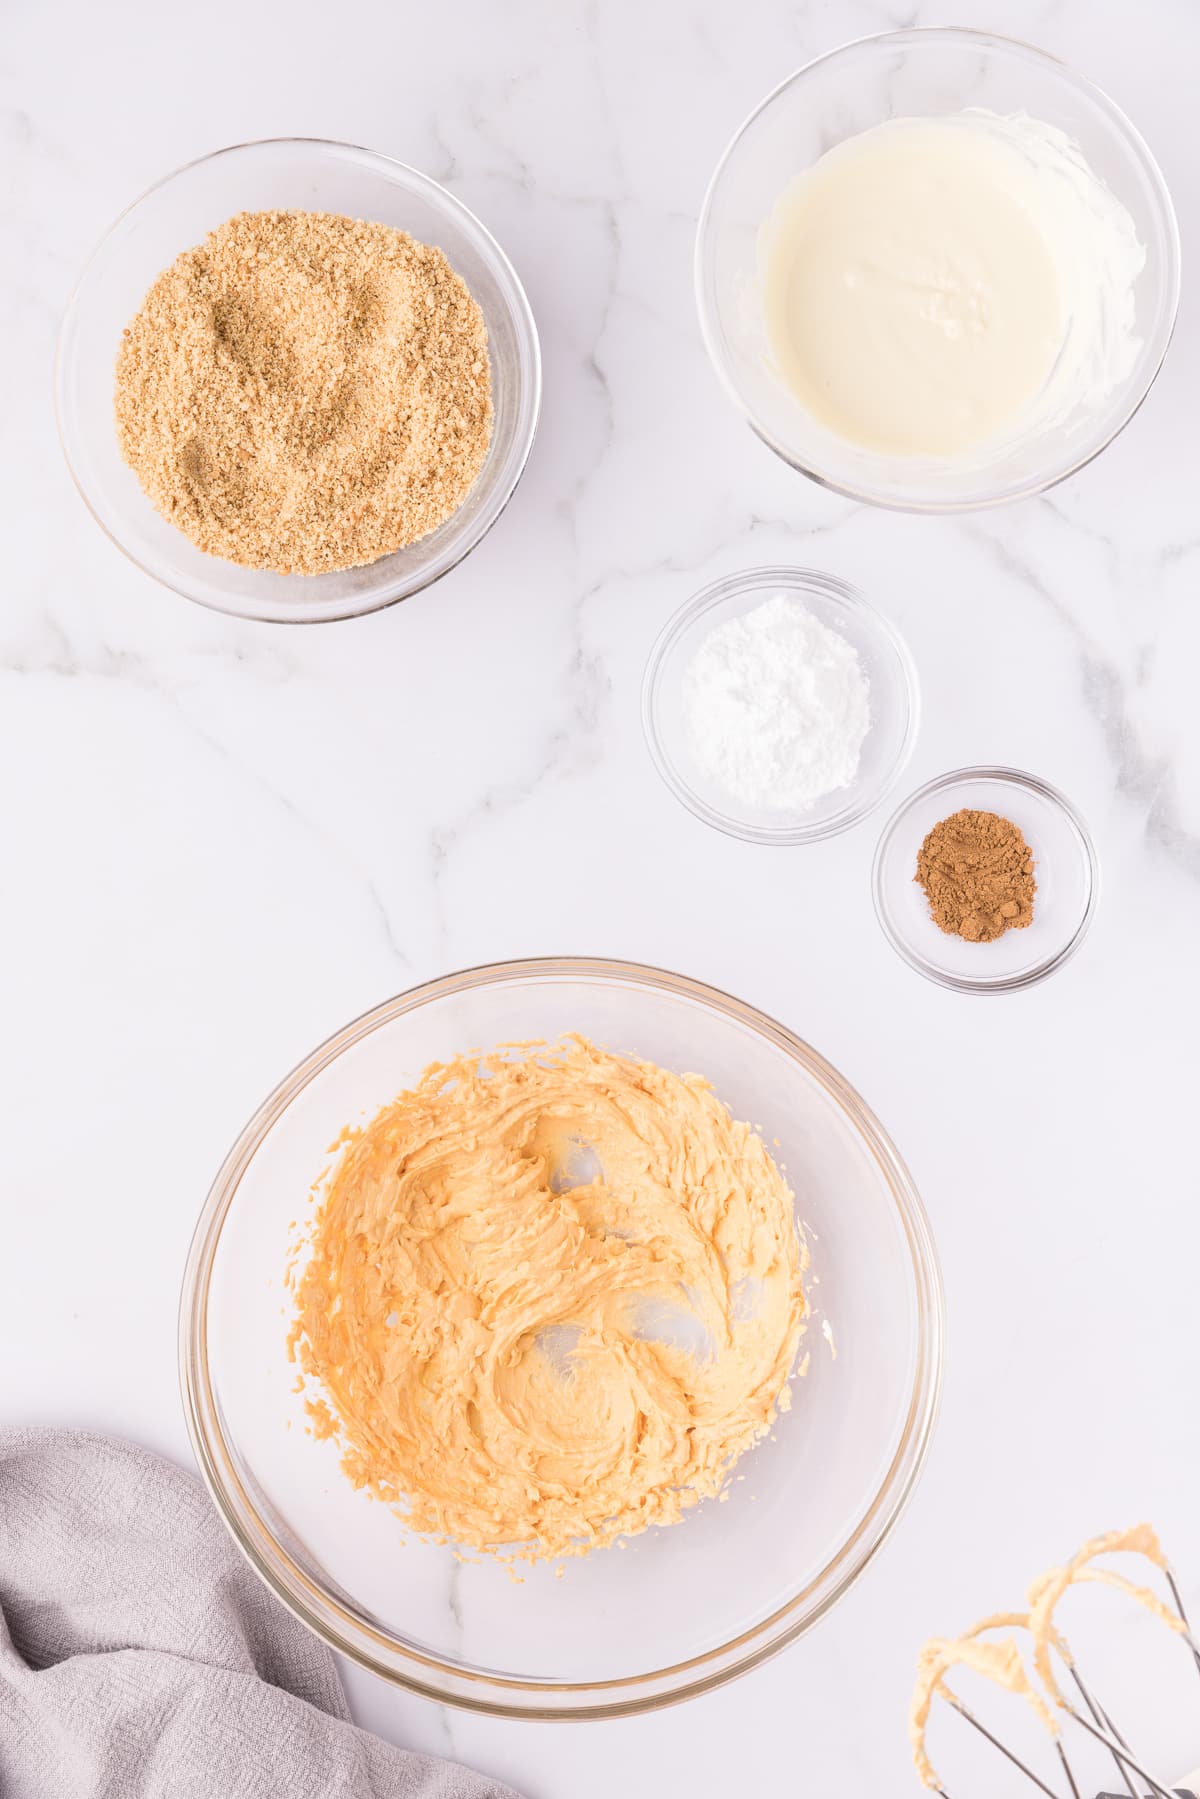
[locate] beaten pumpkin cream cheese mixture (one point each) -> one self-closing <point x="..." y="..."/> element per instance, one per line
<point x="551" y="1295"/>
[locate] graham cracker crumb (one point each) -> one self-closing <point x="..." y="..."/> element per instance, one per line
<point x="304" y="392"/>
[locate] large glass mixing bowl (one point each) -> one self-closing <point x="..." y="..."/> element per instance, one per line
<point x="906" y="74"/>
<point x="678" y="1610"/>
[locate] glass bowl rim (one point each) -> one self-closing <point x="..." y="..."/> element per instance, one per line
<point x="403" y="174"/>
<point x="759" y="579"/>
<point x="1010" y="777"/>
<point x="512" y="1697"/>
<point x="1165" y="324"/>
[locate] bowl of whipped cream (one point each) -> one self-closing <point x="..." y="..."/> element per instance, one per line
<point x="937" y="270"/>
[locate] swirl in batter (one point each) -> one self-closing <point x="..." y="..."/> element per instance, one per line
<point x="551" y="1296"/>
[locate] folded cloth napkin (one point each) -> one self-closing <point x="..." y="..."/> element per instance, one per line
<point x="141" y="1659"/>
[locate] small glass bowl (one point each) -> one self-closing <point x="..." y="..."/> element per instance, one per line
<point x="316" y="176"/>
<point x="1065" y="865"/>
<point x="920" y="73"/>
<point x="885" y="661"/>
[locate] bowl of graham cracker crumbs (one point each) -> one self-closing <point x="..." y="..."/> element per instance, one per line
<point x="297" y="381"/>
<point x="986" y="880"/>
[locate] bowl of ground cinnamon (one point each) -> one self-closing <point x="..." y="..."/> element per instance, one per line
<point x="986" y="880"/>
<point x="297" y="381"/>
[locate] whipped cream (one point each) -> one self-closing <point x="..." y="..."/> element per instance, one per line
<point x="942" y="287"/>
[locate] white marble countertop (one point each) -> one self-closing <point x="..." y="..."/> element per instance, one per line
<point x="223" y="839"/>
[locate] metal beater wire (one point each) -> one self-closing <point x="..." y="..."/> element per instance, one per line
<point x="1062" y="1756"/>
<point x="1102" y="1717"/>
<point x="983" y="1730"/>
<point x="1157" y="1789"/>
<point x="1187" y="1629"/>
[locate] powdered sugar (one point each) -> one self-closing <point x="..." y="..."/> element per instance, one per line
<point x="776" y="707"/>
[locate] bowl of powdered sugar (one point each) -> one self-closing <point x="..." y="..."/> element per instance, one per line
<point x="297" y="381"/>
<point x="779" y="705"/>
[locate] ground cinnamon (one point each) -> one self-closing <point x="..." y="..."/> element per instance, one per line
<point x="977" y="872"/>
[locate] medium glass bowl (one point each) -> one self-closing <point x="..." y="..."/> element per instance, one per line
<point x="1065" y="867"/>
<point x="901" y="74"/>
<point x="678" y="1610"/>
<point x="884" y="659"/>
<point x="312" y="175"/>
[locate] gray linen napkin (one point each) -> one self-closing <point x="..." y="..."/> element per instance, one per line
<point x="141" y="1659"/>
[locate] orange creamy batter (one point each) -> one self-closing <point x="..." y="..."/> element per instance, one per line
<point x="551" y="1296"/>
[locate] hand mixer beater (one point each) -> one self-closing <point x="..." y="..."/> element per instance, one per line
<point x="1038" y="1676"/>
